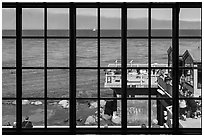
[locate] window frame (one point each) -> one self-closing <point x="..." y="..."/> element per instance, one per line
<point x="72" y="67"/>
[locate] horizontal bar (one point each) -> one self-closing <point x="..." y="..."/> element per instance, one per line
<point x="102" y="5"/>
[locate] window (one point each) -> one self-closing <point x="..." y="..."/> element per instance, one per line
<point x="101" y="68"/>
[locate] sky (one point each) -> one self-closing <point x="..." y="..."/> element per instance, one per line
<point x="58" y="18"/>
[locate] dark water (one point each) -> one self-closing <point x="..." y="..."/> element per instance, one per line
<point x="104" y="33"/>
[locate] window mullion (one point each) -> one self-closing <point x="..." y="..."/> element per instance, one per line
<point x="19" y="66"/>
<point x="124" y="67"/>
<point x="72" y="71"/>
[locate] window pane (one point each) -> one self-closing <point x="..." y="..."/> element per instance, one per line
<point x="33" y="110"/>
<point x="161" y="22"/>
<point x="161" y="113"/>
<point x="8" y="52"/>
<point x="190" y="83"/>
<point x="86" y="51"/>
<point x="105" y="87"/>
<point x="33" y="53"/>
<point x="86" y="22"/>
<point x="137" y="52"/>
<point x="110" y="22"/>
<point x="110" y="52"/>
<point x="137" y="113"/>
<point x="33" y="21"/>
<point x="190" y="22"/>
<point x="137" y="22"/>
<point x="86" y="113"/>
<point x="33" y="83"/>
<point x="58" y="83"/>
<point x="86" y="83"/>
<point x="190" y="51"/>
<point x="9" y="83"/>
<point x="159" y="51"/>
<point x="8" y="21"/>
<point x="58" y="53"/>
<point x="58" y="113"/>
<point x="8" y="113"/>
<point x="58" y="22"/>
<point x="110" y="113"/>
<point x="190" y="113"/>
<point x="164" y="82"/>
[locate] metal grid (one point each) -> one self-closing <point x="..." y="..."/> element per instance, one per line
<point x="72" y="37"/>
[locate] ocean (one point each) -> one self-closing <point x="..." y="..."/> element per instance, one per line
<point x="86" y="56"/>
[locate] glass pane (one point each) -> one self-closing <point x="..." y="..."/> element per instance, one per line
<point x="110" y="52"/>
<point x="86" y="22"/>
<point x="57" y="22"/>
<point x="110" y="113"/>
<point x="137" y="113"/>
<point x="161" y="114"/>
<point x="58" y="113"/>
<point x="105" y="88"/>
<point x="137" y="52"/>
<point x="9" y="83"/>
<point x="190" y="51"/>
<point x="137" y="22"/>
<point x="164" y="83"/>
<point x="8" y="21"/>
<point x="190" y="22"/>
<point x="86" y="113"/>
<point x="110" y="22"/>
<point x="58" y="83"/>
<point x="161" y="22"/>
<point x="87" y="54"/>
<point x="33" y="113"/>
<point x="33" y="53"/>
<point x="8" y="52"/>
<point x="33" y="83"/>
<point x="33" y="21"/>
<point x="86" y="83"/>
<point x="58" y="53"/>
<point x="160" y="51"/>
<point x="190" y="83"/>
<point x="8" y="113"/>
<point x="190" y="113"/>
<point x="138" y="83"/>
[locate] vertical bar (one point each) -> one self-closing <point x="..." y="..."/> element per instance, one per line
<point x="72" y="27"/>
<point x="45" y="64"/>
<point x="175" y="65"/>
<point x="149" y="65"/>
<point x="19" y="66"/>
<point x="99" y="66"/>
<point x="124" y="67"/>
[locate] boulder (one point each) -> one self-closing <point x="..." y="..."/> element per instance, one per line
<point x="90" y="120"/>
<point x="93" y="105"/>
<point x="38" y="103"/>
<point x="102" y="103"/>
<point x="25" y="102"/>
<point x="64" y="103"/>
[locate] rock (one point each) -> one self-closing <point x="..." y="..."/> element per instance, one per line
<point x="64" y="103"/>
<point x="25" y="102"/>
<point x="90" y="120"/>
<point x="102" y="103"/>
<point x="116" y="120"/>
<point x="38" y="103"/>
<point x="14" y="102"/>
<point x="93" y="105"/>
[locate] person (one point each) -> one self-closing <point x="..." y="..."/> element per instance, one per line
<point x="182" y="106"/>
<point x="143" y="126"/>
<point x="155" y="123"/>
<point x="26" y="123"/>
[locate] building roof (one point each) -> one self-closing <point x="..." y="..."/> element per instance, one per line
<point x="195" y="53"/>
